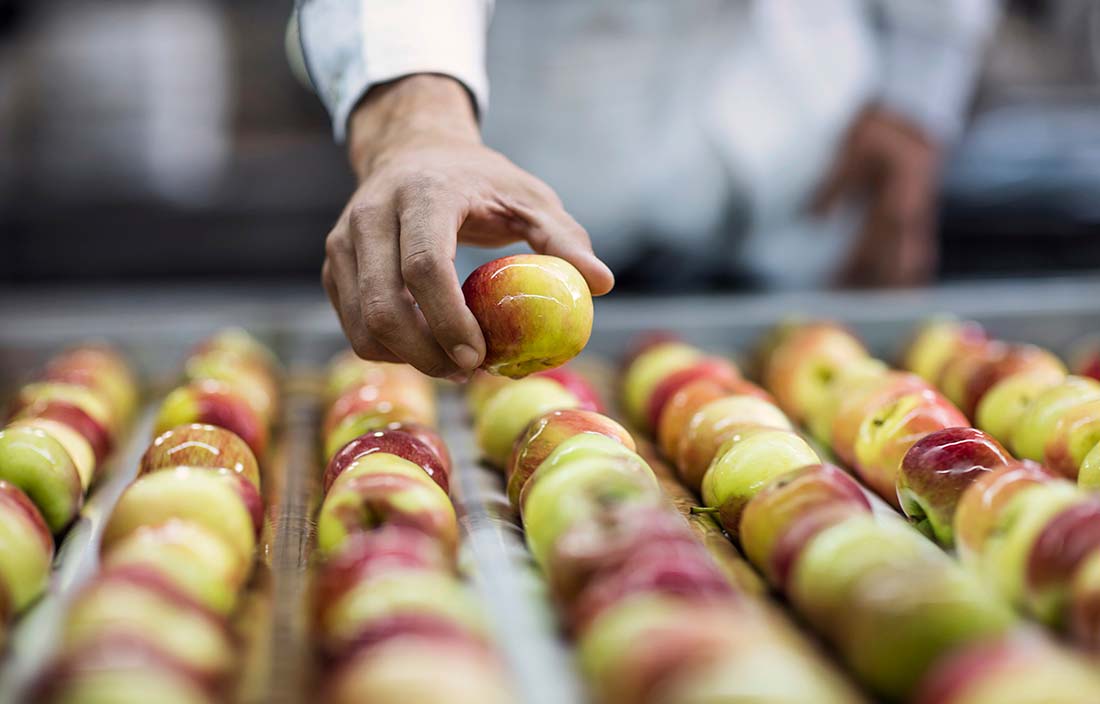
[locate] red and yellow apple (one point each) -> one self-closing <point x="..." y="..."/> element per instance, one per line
<point x="77" y="406"/>
<point x="1039" y="421"/>
<point x="716" y="368"/>
<point x="214" y="403"/>
<point x="201" y="445"/>
<point x="1001" y="407"/>
<point x="647" y="370"/>
<point x="979" y="509"/>
<point x="26" y="548"/>
<point x="100" y="368"/>
<point x="37" y="464"/>
<point x="938" y="341"/>
<point x="578" y="385"/>
<point x="511" y="409"/>
<point x="393" y="442"/>
<point x="803" y="365"/>
<point x="688" y="399"/>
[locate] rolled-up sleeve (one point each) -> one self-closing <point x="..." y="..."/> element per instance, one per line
<point x="351" y="45"/>
<point x="932" y="51"/>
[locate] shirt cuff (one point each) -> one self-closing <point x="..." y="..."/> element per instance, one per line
<point x="929" y="81"/>
<point x="352" y="45"/>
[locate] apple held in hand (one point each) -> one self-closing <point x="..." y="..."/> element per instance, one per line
<point x="212" y="500"/>
<point x="383" y="489"/>
<point x="682" y="406"/>
<point x="938" y="341"/>
<point x="393" y="442"/>
<point x="194" y="558"/>
<point x="578" y="385"/>
<point x="26" y="548"/>
<point x="886" y="435"/>
<point x="713" y="425"/>
<point x="801" y="368"/>
<point x="201" y="445"/>
<point x="746" y="463"/>
<point x="786" y="514"/>
<point x="511" y="410"/>
<point x="979" y="509"/>
<point x="647" y="370"/>
<point x="938" y="469"/>
<point x="1001" y="408"/>
<point x="33" y="461"/>
<point x="543" y="436"/>
<point x="534" y="310"/>
<point x="213" y="403"/>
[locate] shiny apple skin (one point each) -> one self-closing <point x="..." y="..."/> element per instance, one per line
<point x="716" y="368"/>
<point x="214" y="403"/>
<point x="201" y="445"/>
<point x="980" y="506"/>
<point x="394" y="442"/>
<point x="38" y="464"/>
<point x="578" y="385"/>
<point x="534" y="310"/>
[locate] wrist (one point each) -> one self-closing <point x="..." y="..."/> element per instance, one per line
<point x="405" y="110"/>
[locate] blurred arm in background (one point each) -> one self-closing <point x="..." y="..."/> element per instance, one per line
<point x="891" y="156"/>
<point x="397" y="79"/>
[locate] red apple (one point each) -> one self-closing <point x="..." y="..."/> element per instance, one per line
<point x="938" y="469"/>
<point x="548" y="431"/>
<point x="1007" y="360"/>
<point x="866" y="397"/>
<point x="980" y="506"/>
<point x="692" y="396"/>
<point x="26" y="549"/>
<point x="100" y="368"/>
<point x="1064" y="543"/>
<point x="581" y="387"/>
<point x="253" y="382"/>
<point x="201" y="445"/>
<point x="429" y="437"/>
<point x="37" y="464"/>
<point x="958" y="371"/>
<point x="214" y="403"/>
<point x="394" y="442"/>
<point x="707" y="368"/>
<point x="534" y="310"/>
<point x="787" y="513"/>
<point x="397" y="402"/>
<point x="1083" y="615"/>
<point x="647" y="371"/>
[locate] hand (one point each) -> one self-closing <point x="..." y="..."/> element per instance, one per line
<point x="426" y="182"/>
<point x="894" y="167"/>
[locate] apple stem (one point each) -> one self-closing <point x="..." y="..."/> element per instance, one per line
<point x="703" y="510"/>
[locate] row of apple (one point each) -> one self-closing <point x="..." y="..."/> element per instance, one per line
<point x="1033" y="544"/>
<point x="1018" y="393"/>
<point x="654" y="618"/>
<point x="392" y="619"/>
<point x="908" y="620"/>
<point x="62" y="427"/>
<point x="178" y="548"/>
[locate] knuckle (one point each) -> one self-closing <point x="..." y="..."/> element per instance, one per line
<point x="364" y="216"/>
<point x="336" y="244"/>
<point x="420" y="187"/>
<point x="381" y="318"/>
<point x="420" y="266"/>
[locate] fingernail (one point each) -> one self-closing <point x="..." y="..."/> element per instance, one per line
<point x="459" y="378"/>
<point x="464" y="356"/>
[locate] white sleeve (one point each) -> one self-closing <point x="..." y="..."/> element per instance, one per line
<point x="351" y="45"/>
<point x="932" y="51"/>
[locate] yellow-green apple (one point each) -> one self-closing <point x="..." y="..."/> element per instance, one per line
<point x="586" y="475"/>
<point x="201" y="445"/>
<point x="647" y="370"/>
<point x="346" y="371"/>
<point x="101" y="368"/>
<point x="1083" y="617"/>
<point x="143" y="604"/>
<point x="581" y="387"/>
<point x="383" y="489"/>
<point x="362" y="409"/>
<point x="890" y="601"/>
<point x="786" y="514"/>
<point x="214" y="403"/>
<point x="543" y="436"/>
<point x="1019" y="668"/>
<point x="1062" y="545"/>
<point x="863" y="397"/>
<point x="606" y="540"/>
<point x="367" y="555"/>
<point x="958" y="371"/>
<point x="1003" y="560"/>
<point x="642" y="342"/>
<point x="938" y="341"/>
<point x="210" y="499"/>
<point x="938" y="469"/>
<point x="1037" y="424"/>
<point x="482" y="387"/>
<point x="534" y="310"/>
<point x="240" y="343"/>
<point x="254" y="383"/>
<point x="1006" y="361"/>
<point x="196" y="559"/>
<point x="1074" y="435"/>
<point x="76" y="406"/>
<point x="1088" y="475"/>
<point x="1001" y="407"/>
<point x="715" y="368"/>
<point x="981" y="504"/>
<point x="393" y="594"/>
<point x="689" y="398"/>
<point x="746" y="463"/>
<point x="122" y="670"/>
<point x="849" y="381"/>
<point x="804" y="364"/>
<point x="394" y="442"/>
<point x="35" y="462"/>
<point x="511" y="409"/>
<point x="393" y="673"/>
<point x="681" y="569"/>
<point x="887" y="434"/>
<point x="713" y="425"/>
<point x="26" y="548"/>
<point x="78" y="448"/>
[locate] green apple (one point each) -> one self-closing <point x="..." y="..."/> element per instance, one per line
<point x="507" y="414"/>
<point x="1001" y="407"/>
<point x="1088" y="476"/>
<point x="746" y="463"/>
<point x="188" y="494"/>
<point x="78" y="448"/>
<point x="26" y="548"/>
<point x="1037" y="423"/>
<point x="647" y="370"/>
<point x="857" y="374"/>
<point x="936" y="342"/>
<point x="34" y="461"/>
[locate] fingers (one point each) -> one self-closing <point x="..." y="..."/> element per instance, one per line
<point x="429" y="224"/>
<point x="558" y="234"/>
<point x="388" y="315"/>
<point x="338" y="275"/>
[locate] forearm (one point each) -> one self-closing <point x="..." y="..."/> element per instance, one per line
<point x="401" y="111"/>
